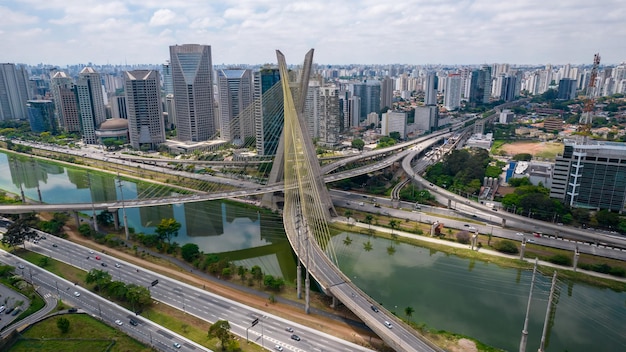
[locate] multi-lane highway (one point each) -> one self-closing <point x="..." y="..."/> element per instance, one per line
<point x="269" y="332"/>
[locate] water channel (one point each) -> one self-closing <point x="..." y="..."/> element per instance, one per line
<point x="468" y="297"/>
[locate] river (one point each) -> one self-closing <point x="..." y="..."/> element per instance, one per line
<point x="469" y="297"/>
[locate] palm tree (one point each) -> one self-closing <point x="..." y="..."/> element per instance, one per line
<point x="368" y="220"/>
<point x="393" y="223"/>
<point x="348" y="214"/>
<point x="409" y="312"/>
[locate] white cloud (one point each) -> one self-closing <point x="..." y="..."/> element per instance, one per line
<point x="347" y="31"/>
<point x="14" y="18"/>
<point x="165" y="17"/>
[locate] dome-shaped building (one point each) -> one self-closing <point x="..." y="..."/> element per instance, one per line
<point x="113" y="130"/>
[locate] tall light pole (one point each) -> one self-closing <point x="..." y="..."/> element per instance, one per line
<point x="93" y="209"/>
<point x="522" y="344"/>
<point x="119" y="181"/>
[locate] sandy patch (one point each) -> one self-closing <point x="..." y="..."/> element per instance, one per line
<point x="464" y="345"/>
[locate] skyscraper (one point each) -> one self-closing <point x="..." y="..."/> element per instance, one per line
<point x="13" y="92"/>
<point x="430" y="91"/>
<point x="235" y="92"/>
<point x="452" y="97"/>
<point x="41" y="116"/>
<point x="65" y="102"/>
<point x="269" y="113"/>
<point x="145" y="114"/>
<point x="90" y="103"/>
<point x="386" y="93"/>
<point x="168" y="85"/>
<point x="369" y="92"/>
<point x="192" y="79"/>
<point x="480" y="86"/>
<point x="330" y="116"/>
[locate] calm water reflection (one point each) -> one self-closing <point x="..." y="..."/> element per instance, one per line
<point x="482" y="300"/>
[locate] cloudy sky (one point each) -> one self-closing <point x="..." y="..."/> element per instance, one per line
<point x="64" y="32"/>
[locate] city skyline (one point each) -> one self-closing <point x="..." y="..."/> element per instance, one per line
<point x="62" y="32"/>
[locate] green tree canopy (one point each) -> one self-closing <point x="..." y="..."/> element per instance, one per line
<point x="167" y="229"/>
<point x="358" y="144"/>
<point x="221" y="330"/>
<point x="190" y="251"/>
<point x="20" y="231"/>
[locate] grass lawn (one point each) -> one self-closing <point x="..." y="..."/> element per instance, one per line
<point x="85" y="334"/>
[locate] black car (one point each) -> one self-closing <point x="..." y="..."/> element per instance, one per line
<point x="374" y="309"/>
<point x="133" y="322"/>
<point x="295" y="337"/>
<point x="104" y="264"/>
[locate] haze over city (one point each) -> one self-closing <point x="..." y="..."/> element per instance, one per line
<point x="64" y="32"/>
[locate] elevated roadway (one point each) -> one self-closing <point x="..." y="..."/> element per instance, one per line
<point x="464" y="204"/>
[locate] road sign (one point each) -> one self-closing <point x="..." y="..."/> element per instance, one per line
<point x="255" y="321"/>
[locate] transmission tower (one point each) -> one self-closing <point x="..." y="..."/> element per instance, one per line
<point x="590" y="102"/>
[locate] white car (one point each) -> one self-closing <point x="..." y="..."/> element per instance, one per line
<point x="76" y="294"/>
<point x="119" y="322"/>
<point x="117" y="265"/>
<point x="388" y="324"/>
<point x="90" y="251"/>
<point x="278" y="348"/>
<point x="520" y="234"/>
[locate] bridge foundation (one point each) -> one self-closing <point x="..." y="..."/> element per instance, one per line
<point x="503" y="222"/>
<point x="116" y="220"/>
<point x="522" y="249"/>
<point x="76" y="218"/>
<point x="449" y="203"/>
<point x="576" y="257"/>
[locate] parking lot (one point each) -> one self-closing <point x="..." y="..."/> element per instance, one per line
<point x="11" y="301"/>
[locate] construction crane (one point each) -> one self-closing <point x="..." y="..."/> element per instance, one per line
<point x="590" y="102"/>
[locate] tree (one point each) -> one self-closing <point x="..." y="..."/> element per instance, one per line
<point x="19" y="232"/>
<point x="105" y="218"/>
<point x="63" y="324"/>
<point x="358" y="144"/>
<point x="348" y="214"/>
<point x="409" y="312"/>
<point x="189" y="252"/>
<point x="100" y="277"/>
<point x="368" y="220"/>
<point x="393" y="223"/>
<point x="167" y="229"/>
<point x="221" y="331"/>
<point x="395" y="135"/>
<point x="138" y="296"/>
<point x="257" y="273"/>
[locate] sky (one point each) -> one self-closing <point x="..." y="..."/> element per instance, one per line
<point x="62" y="32"/>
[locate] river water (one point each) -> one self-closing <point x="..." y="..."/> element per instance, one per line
<point x="469" y="297"/>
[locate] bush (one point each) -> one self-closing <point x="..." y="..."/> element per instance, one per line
<point x="463" y="237"/>
<point x="560" y="259"/>
<point x="620" y="272"/>
<point x="506" y="246"/>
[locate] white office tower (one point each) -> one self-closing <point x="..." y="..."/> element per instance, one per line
<point x="311" y="109"/>
<point x="192" y="79"/>
<point x="393" y="121"/>
<point x="90" y="103"/>
<point x="452" y="96"/>
<point x="330" y="116"/>
<point x="145" y="115"/>
<point x="13" y="92"/>
<point x="426" y="117"/>
<point x="430" y="89"/>
<point x="235" y="96"/>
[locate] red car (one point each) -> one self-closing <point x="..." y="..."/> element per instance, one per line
<point x="97" y="258"/>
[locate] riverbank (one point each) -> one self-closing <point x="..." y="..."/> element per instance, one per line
<point x="483" y="253"/>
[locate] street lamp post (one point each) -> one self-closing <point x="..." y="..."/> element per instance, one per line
<point x="119" y="180"/>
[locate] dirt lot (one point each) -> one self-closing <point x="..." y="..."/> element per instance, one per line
<point x="547" y="150"/>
